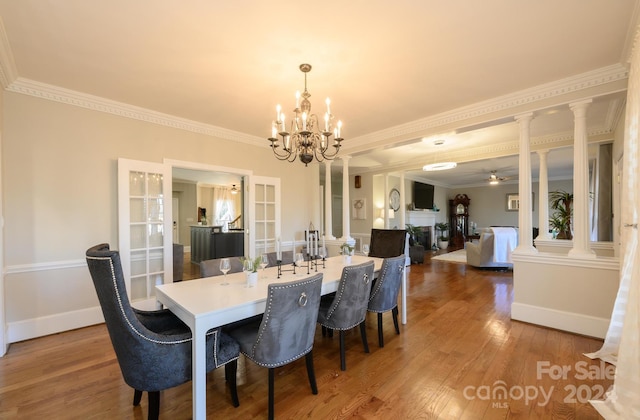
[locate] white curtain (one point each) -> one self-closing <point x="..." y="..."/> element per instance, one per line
<point x="622" y="343"/>
<point x="224" y="205"/>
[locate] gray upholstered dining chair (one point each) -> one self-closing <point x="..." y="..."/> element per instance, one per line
<point x="287" y="258"/>
<point x="210" y="268"/>
<point x="384" y="292"/>
<point x="153" y="348"/>
<point x="386" y="243"/>
<point x="286" y="330"/>
<point x="348" y="307"/>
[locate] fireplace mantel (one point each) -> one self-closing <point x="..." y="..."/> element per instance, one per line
<point x="423" y="218"/>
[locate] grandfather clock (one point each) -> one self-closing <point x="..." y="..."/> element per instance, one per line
<point x="459" y="219"/>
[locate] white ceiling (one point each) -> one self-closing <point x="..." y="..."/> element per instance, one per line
<point x="389" y="68"/>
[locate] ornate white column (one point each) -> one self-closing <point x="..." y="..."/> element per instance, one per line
<point x="581" y="245"/>
<point x="385" y="201"/>
<point x="346" y="205"/>
<point x="525" y="224"/>
<point x="328" y="218"/>
<point x="543" y="194"/>
<point x="403" y="207"/>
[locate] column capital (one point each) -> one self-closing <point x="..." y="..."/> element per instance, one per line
<point x="580" y="105"/>
<point x="328" y="163"/>
<point x="345" y="158"/>
<point x="524" y="117"/>
<point x="543" y="152"/>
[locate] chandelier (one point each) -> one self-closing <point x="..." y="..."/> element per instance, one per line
<point x="438" y="165"/>
<point x="306" y="138"/>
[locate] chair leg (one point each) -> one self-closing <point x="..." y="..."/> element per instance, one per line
<point x="394" y="312"/>
<point x="137" y="396"/>
<point x="230" y="371"/>
<point x="380" y="334"/>
<point x="363" y="334"/>
<point x="311" y="373"/>
<point x="154" y="405"/>
<point x="343" y="362"/>
<point x="271" y="386"/>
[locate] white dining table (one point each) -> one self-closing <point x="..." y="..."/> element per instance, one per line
<point x="205" y="303"/>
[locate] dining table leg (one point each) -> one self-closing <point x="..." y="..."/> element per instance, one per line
<point x="404" y="296"/>
<point x="199" y="372"/>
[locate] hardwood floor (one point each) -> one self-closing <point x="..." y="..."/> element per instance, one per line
<point x="453" y="358"/>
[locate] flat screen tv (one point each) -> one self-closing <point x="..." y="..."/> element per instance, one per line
<point x="422" y="195"/>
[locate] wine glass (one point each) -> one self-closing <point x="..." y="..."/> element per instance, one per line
<point x="264" y="262"/>
<point x="225" y="266"/>
<point x="299" y="259"/>
<point x="365" y="249"/>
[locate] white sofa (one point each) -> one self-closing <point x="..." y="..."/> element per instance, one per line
<point x="482" y="255"/>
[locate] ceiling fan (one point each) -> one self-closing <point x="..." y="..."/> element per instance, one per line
<point x="495" y="179"/>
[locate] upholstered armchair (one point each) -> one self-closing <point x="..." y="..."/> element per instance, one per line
<point x="347" y="309"/>
<point x="384" y="295"/>
<point x="387" y="243"/>
<point x="286" y="330"/>
<point x="153" y="348"/>
<point x="481" y="254"/>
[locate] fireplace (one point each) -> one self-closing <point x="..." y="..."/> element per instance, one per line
<point x="424" y="236"/>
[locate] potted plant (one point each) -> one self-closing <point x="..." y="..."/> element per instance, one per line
<point x="443" y="237"/>
<point x="250" y="267"/>
<point x="562" y="204"/>
<point x="347" y="251"/>
<point x="414" y="231"/>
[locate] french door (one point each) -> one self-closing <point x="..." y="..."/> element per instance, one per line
<point x="145" y="228"/>
<point x="264" y="214"/>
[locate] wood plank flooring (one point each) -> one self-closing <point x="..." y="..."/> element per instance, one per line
<point x="456" y="357"/>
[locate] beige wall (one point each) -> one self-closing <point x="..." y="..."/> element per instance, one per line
<point x="488" y="204"/>
<point x="60" y="195"/>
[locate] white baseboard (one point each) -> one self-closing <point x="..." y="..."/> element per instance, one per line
<point x="561" y="320"/>
<point x="38" y="327"/>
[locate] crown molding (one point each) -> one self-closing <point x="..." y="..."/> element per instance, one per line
<point x="595" y="135"/>
<point x="503" y="103"/>
<point x="96" y="103"/>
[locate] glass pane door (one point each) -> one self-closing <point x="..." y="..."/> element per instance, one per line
<point x="266" y="214"/>
<point x="144" y="194"/>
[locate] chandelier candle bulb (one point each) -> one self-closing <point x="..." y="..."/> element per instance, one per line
<point x="326" y="120"/>
<point x="284" y="126"/>
<point x="339" y="129"/>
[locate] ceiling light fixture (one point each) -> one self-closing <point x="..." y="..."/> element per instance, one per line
<point x="438" y="166"/>
<point x="305" y="138"/>
<point x="234" y="190"/>
<point x="493" y="179"/>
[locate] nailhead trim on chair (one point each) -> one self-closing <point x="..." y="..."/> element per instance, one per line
<point x="124" y="315"/>
<point x="379" y="285"/>
<point x="333" y="307"/>
<point x="266" y="321"/>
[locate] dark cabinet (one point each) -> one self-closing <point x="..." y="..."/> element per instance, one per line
<point x="459" y="219"/>
<point x="227" y="244"/>
<point x="209" y="242"/>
